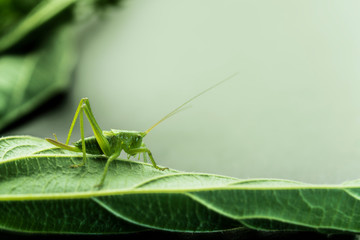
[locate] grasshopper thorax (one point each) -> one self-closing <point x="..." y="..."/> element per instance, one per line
<point x="128" y="139"/>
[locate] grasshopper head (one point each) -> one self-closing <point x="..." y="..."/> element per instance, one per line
<point x="136" y="139"/>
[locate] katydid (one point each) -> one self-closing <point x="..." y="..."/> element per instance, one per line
<point x="111" y="143"/>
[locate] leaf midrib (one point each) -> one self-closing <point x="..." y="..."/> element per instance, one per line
<point x="131" y="191"/>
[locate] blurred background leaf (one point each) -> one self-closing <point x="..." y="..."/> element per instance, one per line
<point x="38" y="51"/>
<point x="39" y="22"/>
<point x="27" y="80"/>
<point x="11" y="11"/>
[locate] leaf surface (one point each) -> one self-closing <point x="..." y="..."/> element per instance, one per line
<point x="39" y="192"/>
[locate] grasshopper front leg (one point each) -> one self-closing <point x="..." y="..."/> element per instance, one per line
<point x="110" y="159"/>
<point x="144" y="149"/>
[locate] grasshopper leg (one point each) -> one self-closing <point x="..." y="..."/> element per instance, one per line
<point x="144" y="157"/>
<point x="144" y="149"/>
<point x="110" y="159"/>
<point x="82" y="139"/>
<point x="84" y="107"/>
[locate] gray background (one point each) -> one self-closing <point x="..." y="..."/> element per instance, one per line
<point x="293" y="110"/>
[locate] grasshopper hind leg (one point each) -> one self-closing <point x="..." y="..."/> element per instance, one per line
<point x="83" y="148"/>
<point x="84" y="108"/>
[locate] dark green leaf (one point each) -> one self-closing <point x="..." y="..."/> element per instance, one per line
<point x="39" y="192"/>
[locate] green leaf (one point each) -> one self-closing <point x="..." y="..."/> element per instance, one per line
<point x="28" y="80"/>
<point x="40" y="193"/>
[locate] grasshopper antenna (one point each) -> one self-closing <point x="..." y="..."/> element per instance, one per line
<point x="176" y="110"/>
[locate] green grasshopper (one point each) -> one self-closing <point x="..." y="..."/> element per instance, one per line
<point x="111" y="143"/>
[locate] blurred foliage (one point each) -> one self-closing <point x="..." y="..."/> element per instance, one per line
<point x="24" y="25"/>
<point x="37" y="50"/>
<point x="101" y="4"/>
<point x="27" y="80"/>
<point x="11" y="11"/>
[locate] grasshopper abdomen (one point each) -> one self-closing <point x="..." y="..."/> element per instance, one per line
<point x="91" y="144"/>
